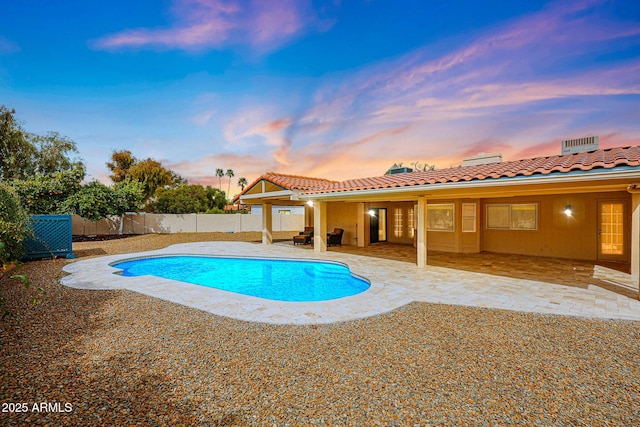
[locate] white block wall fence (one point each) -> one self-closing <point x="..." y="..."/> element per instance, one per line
<point x="148" y="223"/>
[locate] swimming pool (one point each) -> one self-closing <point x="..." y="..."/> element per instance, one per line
<point x="275" y="279"/>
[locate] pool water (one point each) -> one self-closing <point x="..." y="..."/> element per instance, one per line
<point x="284" y="280"/>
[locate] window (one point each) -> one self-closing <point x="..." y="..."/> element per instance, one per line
<point x="398" y="229"/>
<point x="468" y="217"/>
<point x="498" y="216"/>
<point x="440" y="217"/>
<point x="522" y="216"/>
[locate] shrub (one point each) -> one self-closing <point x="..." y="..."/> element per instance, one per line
<point x="15" y="225"/>
<point x="188" y="199"/>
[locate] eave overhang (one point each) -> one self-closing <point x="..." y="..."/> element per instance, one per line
<point x="571" y="182"/>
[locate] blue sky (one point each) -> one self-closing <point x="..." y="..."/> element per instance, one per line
<point x="332" y="89"/>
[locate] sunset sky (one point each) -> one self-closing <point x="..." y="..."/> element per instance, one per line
<point x="331" y="89"/>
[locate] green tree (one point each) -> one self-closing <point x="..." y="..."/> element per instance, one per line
<point x="181" y="200"/>
<point x="216" y="199"/>
<point x="23" y="154"/>
<point x="220" y="174"/>
<point x="43" y="194"/>
<point x="149" y="172"/>
<point x="17" y="153"/>
<point x="130" y="195"/>
<point x="121" y="162"/>
<point x="153" y="175"/>
<point x="53" y="153"/>
<point x="188" y="199"/>
<point x="230" y="174"/>
<point x="15" y="225"/>
<point x="96" y="201"/>
<point x="242" y="182"/>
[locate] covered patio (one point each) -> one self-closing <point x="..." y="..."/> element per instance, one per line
<point x="563" y="219"/>
<point x="614" y="277"/>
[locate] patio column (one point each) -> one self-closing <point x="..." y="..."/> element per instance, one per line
<point x="308" y="214"/>
<point x="320" y="226"/>
<point x="267" y="223"/>
<point x="361" y="225"/>
<point x="421" y="231"/>
<point x="635" y="240"/>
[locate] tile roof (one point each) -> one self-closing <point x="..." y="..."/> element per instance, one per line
<point x="289" y="182"/>
<point x="297" y="182"/>
<point x="597" y="159"/>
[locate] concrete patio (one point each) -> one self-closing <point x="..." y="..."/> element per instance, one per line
<point x="394" y="284"/>
<point x="614" y="277"/>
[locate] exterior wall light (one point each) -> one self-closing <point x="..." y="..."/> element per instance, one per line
<point x="568" y="210"/>
<point x="310" y="203"/>
<point x="372" y="212"/>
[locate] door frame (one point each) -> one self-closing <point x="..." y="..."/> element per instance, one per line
<point x="374" y="226"/>
<point x="626" y="224"/>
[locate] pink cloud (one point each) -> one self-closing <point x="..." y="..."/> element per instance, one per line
<point x="466" y="94"/>
<point x="277" y="125"/>
<point x="501" y="92"/>
<point x="618" y="139"/>
<point x="547" y="148"/>
<point x="203" y="24"/>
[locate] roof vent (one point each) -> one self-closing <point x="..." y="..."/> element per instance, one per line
<point x="394" y="171"/>
<point x="580" y="145"/>
<point x="482" y="159"/>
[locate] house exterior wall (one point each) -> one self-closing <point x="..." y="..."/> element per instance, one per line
<point x="395" y="223"/>
<point x="398" y="221"/>
<point x="345" y="216"/>
<point x="558" y="235"/>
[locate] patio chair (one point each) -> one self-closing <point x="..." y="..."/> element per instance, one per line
<point x="335" y="238"/>
<point x="304" y="237"/>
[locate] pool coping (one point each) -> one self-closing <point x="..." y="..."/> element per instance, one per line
<point x="393" y="285"/>
<point x="99" y="274"/>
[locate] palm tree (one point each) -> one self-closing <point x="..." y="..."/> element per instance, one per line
<point x="230" y="175"/>
<point x="220" y="174"/>
<point x="242" y="182"/>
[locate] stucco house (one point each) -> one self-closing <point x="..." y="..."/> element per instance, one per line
<point x="582" y="205"/>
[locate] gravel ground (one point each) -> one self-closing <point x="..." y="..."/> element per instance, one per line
<point x="120" y="358"/>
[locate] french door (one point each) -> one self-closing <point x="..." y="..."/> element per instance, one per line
<point x="612" y="224"/>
